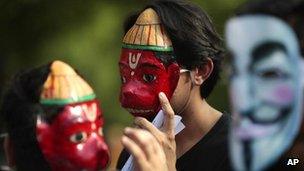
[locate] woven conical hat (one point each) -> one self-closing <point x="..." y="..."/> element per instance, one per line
<point x="147" y="33"/>
<point x="65" y="86"/>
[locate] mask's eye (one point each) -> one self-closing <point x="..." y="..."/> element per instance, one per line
<point x="272" y="74"/>
<point x="78" y="137"/>
<point x="100" y="131"/>
<point x="123" y="79"/>
<point x="149" y="77"/>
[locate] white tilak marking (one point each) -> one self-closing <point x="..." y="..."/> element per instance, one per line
<point x="90" y="112"/>
<point x="133" y="60"/>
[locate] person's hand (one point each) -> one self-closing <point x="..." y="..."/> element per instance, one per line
<point x="147" y="152"/>
<point x="165" y="136"/>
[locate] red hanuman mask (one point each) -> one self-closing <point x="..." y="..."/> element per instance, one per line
<point x="73" y="139"/>
<point x="147" y="66"/>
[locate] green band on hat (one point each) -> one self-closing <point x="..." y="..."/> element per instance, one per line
<point x="67" y="101"/>
<point x="148" y="47"/>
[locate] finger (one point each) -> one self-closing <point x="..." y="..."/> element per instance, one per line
<point x="145" y="124"/>
<point x="135" y="151"/>
<point x="142" y="138"/>
<point x="169" y="115"/>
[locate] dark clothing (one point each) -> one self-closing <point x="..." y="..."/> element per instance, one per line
<point x="295" y="152"/>
<point x="210" y="153"/>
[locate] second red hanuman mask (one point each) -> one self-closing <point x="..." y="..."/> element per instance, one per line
<point x="71" y="138"/>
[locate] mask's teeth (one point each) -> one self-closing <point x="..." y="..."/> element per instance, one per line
<point x="138" y="110"/>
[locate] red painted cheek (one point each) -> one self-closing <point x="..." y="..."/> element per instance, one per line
<point x="45" y="139"/>
<point x="283" y="95"/>
<point x="91" y="154"/>
<point x="173" y="77"/>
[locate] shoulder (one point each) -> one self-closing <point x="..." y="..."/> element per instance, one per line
<point x="211" y="152"/>
<point x="217" y="137"/>
<point x="219" y="131"/>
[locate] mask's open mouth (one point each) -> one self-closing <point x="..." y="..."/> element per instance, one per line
<point x="253" y="131"/>
<point x="141" y="111"/>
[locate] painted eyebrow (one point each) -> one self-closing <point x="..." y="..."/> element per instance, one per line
<point x="150" y="65"/>
<point x="262" y="51"/>
<point x="75" y="121"/>
<point x="83" y="121"/>
<point x="123" y="64"/>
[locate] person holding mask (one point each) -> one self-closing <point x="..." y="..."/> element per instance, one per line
<point x="171" y="51"/>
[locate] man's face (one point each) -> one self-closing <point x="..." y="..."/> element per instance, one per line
<point x="264" y="89"/>
<point x="143" y="77"/>
<point x="74" y="139"/>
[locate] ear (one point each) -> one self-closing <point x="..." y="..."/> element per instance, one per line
<point x="199" y="75"/>
<point x="9" y="152"/>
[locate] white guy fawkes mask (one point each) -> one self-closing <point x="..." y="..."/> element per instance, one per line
<point x="265" y="90"/>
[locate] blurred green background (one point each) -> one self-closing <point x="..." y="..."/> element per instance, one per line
<point x="87" y="35"/>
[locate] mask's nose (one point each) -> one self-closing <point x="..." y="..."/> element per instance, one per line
<point x="103" y="153"/>
<point x="128" y="91"/>
<point x="134" y="94"/>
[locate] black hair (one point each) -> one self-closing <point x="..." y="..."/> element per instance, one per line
<point x="193" y="36"/>
<point x="292" y="11"/>
<point x="20" y="107"/>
